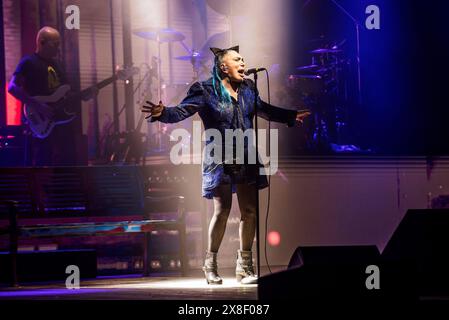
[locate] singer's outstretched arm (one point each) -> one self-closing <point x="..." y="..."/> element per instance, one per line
<point x="272" y="113"/>
<point x="191" y="104"/>
<point x="276" y="114"/>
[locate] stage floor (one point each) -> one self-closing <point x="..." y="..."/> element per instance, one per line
<point x="193" y="287"/>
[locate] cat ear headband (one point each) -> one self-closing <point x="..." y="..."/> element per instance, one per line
<point x="217" y="51"/>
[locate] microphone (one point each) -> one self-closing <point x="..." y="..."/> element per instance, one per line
<point x="253" y="70"/>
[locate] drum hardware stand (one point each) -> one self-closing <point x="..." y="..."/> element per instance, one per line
<point x="357" y="30"/>
<point x="116" y="145"/>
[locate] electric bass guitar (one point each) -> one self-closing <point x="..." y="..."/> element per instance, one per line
<point x="57" y="108"/>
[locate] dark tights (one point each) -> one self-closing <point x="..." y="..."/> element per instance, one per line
<point x="246" y="195"/>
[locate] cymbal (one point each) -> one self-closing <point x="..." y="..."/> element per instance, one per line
<point x="311" y="67"/>
<point x="320" y="51"/>
<point x="159" y="34"/>
<point x="306" y="84"/>
<point x="304" y="76"/>
<point x="196" y="56"/>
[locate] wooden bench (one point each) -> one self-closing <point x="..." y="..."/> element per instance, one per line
<point x="82" y="205"/>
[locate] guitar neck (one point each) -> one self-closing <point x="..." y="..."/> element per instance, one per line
<point x="99" y="85"/>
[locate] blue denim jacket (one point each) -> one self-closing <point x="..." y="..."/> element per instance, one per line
<point x="202" y="98"/>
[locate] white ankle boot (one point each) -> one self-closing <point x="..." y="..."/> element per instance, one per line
<point x="244" y="270"/>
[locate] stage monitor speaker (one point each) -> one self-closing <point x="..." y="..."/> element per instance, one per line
<point x="421" y="244"/>
<point x="328" y="255"/>
<point x="330" y="273"/>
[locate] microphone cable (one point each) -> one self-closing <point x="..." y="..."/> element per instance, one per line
<point x="269" y="177"/>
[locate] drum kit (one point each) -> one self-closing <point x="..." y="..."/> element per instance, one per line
<point x="321" y="86"/>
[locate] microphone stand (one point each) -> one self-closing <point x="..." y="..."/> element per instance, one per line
<point x="257" y="174"/>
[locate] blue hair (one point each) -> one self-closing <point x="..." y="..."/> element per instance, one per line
<point x="222" y="93"/>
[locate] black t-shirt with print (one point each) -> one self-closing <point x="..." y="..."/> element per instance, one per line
<point x="42" y="77"/>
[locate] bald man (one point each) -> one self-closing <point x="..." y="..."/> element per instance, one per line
<point x="40" y="74"/>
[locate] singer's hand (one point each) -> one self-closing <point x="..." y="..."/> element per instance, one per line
<point x="302" y="114"/>
<point x="153" y="110"/>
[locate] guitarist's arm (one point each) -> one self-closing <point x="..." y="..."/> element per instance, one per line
<point x="16" y="89"/>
